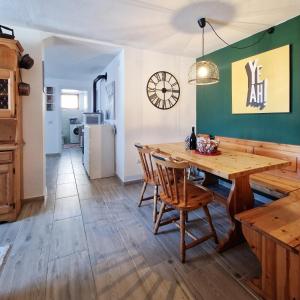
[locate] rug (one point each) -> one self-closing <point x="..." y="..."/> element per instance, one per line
<point x="3" y="253"/>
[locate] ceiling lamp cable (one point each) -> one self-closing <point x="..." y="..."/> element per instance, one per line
<point x="269" y="30"/>
<point x="205" y="72"/>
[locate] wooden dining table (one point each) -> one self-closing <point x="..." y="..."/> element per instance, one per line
<point x="231" y="165"/>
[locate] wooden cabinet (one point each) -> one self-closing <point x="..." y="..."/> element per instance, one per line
<point x="7" y="204"/>
<point x="11" y="136"/>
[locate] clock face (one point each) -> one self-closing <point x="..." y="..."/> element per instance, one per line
<point x="163" y="90"/>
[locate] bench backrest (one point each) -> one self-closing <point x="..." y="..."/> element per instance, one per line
<point x="283" y="151"/>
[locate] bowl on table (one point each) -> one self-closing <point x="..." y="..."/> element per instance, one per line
<point x="207" y="146"/>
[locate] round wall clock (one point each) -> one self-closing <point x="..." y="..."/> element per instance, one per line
<point x="163" y="90"/>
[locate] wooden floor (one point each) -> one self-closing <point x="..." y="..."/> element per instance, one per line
<point x="89" y="240"/>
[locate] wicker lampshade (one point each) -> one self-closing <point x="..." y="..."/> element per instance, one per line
<point x="203" y="73"/>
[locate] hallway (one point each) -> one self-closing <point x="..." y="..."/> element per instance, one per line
<point x="89" y="240"/>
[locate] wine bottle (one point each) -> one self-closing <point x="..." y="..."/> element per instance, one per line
<point x="193" y="140"/>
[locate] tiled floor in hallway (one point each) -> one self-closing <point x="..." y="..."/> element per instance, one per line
<point x="89" y="240"/>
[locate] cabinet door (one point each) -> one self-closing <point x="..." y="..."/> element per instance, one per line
<point x="7" y="95"/>
<point x="6" y="188"/>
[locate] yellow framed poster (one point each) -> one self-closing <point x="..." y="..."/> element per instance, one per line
<point x="261" y="83"/>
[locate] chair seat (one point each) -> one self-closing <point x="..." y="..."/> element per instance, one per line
<point x="196" y="197"/>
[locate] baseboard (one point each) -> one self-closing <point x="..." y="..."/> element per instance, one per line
<point x="129" y="181"/>
<point x="40" y="198"/>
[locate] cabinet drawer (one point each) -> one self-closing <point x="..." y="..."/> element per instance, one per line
<point x="6" y="157"/>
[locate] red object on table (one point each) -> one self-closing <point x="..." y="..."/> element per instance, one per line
<point x="218" y="152"/>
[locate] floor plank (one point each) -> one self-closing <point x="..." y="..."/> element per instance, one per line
<point x="66" y="208"/>
<point x="70" y="277"/>
<point x="66" y="190"/>
<point x="68" y="237"/>
<point x="24" y="275"/>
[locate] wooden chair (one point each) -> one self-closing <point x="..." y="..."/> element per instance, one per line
<point x="150" y="176"/>
<point x="184" y="197"/>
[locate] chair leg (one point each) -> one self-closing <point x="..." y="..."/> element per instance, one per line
<point x="182" y="235"/>
<point x="155" y="203"/>
<point x="161" y="211"/>
<point x="206" y="210"/>
<point x="142" y="193"/>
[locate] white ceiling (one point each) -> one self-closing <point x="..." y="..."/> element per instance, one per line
<point x="168" y="25"/>
<point x="69" y="59"/>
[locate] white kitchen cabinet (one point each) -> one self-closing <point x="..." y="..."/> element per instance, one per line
<point x="99" y="150"/>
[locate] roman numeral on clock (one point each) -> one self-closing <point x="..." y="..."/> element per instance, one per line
<point x="153" y="97"/>
<point x="157" y="76"/>
<point x="157" y="102"/>
<point x="151" y="90"/>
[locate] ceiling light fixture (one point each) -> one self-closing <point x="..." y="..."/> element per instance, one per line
<point x="205" y="72"/>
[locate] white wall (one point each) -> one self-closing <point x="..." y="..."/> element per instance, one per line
<point x="143" y="122"/>
<point x="53" y="126"/>
<point x="33" y="112"/>
<point x="115" y="72"/>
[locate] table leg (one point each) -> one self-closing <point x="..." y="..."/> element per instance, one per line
<point x="240" y="198"/>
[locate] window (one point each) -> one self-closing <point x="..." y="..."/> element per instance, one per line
<point x="70" y="101"/>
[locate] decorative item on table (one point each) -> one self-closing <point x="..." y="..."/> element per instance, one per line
<point x="193" y="140"/>
<point x="207" y="146"/>
<point x="187" y="143"/>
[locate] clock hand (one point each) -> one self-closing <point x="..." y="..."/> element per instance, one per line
<point x="164" y="89"/>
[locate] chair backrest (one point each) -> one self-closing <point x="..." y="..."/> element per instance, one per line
<point x="171" y="174"/>
<point x="146" y="162"/>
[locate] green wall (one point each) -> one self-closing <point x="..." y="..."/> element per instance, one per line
<point x="213" y="113"/>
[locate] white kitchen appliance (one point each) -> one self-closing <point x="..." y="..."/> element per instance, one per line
<point x="99" y="150"/>
<point x="93" y="118"/>
<point x="74" y="133"/>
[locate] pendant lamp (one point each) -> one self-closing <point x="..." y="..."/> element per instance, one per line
<point x="203" y="72"/>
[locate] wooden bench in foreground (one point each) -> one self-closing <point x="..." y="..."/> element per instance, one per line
<point x="273" y="233"/>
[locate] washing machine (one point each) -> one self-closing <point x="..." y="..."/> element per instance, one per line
<point x="74" y="133"/>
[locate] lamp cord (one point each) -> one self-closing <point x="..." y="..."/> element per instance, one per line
<point x="202" y="41"/>
<point x="235" y="47"/>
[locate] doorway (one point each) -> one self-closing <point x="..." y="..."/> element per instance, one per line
<point x="73" y="103"/>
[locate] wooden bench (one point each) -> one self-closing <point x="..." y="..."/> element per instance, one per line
<point x="276" y="182"/>
<point x="273" y="233"/>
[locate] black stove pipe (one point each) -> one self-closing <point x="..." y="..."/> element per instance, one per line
<point x="99" y="77"/>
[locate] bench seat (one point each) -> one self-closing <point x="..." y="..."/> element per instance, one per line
<point x="273" y="234"/>
<point x="277" y="183"/>
<point x="274" y="182"/>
